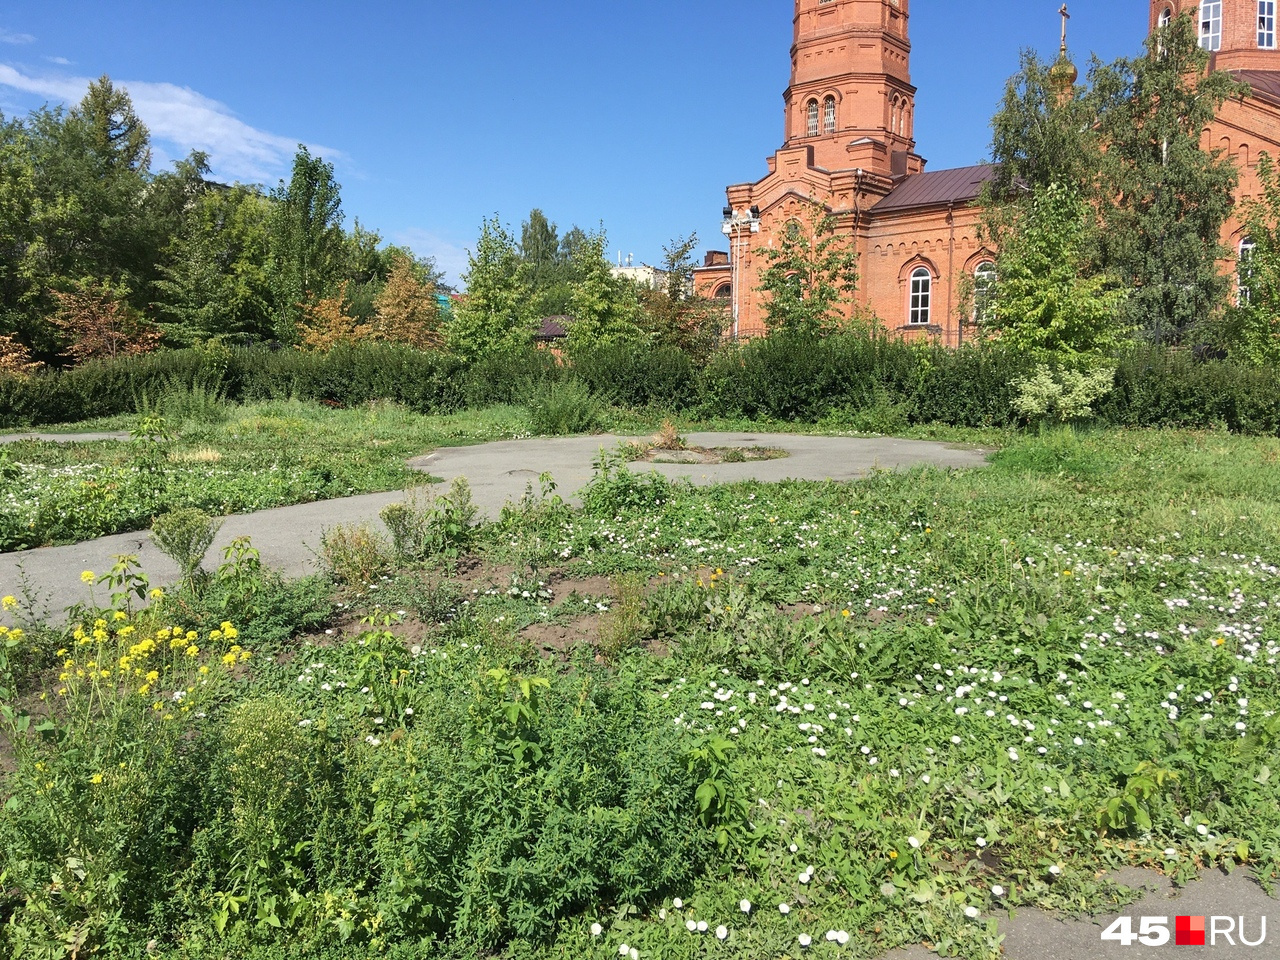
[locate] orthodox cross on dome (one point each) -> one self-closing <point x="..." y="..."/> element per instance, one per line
<point x="1065" y="17"/>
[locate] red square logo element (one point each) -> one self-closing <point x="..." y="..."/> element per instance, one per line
<point x="1188" y="931"/>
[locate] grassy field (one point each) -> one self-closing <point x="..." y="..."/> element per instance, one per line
<point x="749" y="721"/>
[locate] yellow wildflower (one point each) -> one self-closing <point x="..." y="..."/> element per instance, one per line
<point x="96" y="778"/>
<point x="119" y="615"/>
<point x="203" y="668"/>
<point x="144" y="689"/>
<point x="845" y="613"/>
<point x="156" y="594"/>
<point x="193" y="651"/>
<point x="87" y="577"/>
<point x="215" y="634"/>
<point x="9" y="603"/>
<point x="229" y="659"/>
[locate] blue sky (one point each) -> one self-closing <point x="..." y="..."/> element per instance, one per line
<point x="631" y="113"/>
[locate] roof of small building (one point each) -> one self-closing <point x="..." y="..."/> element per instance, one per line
<point x="938" y="187"/>
<point x="1264" y="83"/>
<point x="553" y="328"/>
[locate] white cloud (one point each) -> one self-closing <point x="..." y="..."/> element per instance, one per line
<point x="60" y="61"/>
<point x="15" y="38"/>
<point x="449" y="257"/>
<point x="189" y="121"/>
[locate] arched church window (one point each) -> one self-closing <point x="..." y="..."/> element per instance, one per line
<point x="921" y="293"/>
<point x="812" y="124"/>
<point x="829" y="115"/>
<point x="793" y="229"/>
<point x="984" y="292"/>
<point x="1244" y="270"/>
<point x="723" y="292"/>
<point x="1211" y="24"/>
<point x="1267" y="24"/>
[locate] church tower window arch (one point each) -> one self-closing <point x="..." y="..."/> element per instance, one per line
<point x="829" y="114"/>
<point x="811" y="119"/>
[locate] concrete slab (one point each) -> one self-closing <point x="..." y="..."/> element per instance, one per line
<point x="288" y="538"/>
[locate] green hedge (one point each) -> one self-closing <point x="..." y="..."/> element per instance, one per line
<point x="787" y="377"/>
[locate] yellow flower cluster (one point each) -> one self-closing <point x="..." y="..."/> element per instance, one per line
<point x="9" y="603"/>
<point x="12" y="634"/>
<point x="162" y="659"/>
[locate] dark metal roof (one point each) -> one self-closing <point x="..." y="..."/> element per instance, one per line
<point x="937" y="187"/>
<point x="553" y="328"/>
<point x="1264" y="83"/>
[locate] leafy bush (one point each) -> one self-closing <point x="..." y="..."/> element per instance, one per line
<point x="419" y="530"/>
<point x="564" y="407"/>
<point x="637" y="374"/>
<point x="184" y="536"/>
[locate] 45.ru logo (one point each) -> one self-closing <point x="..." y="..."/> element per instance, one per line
<point x="1188" y="931"/>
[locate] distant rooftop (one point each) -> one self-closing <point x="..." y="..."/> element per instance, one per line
<point x="938" y="187"/>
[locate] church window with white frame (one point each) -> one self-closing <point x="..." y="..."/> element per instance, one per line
<point x="1267" y="24"/>
<point x="1243" y="270"/>
<point x="811" y="120"/>
<point x="984" y="292"/>
<point x="921" y="294"/>
<point x="1211" y="24"/>
<point x="829" y="115"/>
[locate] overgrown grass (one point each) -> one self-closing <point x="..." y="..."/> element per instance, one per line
<point x="890" y="708"/>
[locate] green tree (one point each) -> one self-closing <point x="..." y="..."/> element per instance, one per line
<point x="494" y="315"/>
<point x="214" y="282"/>
<point x="91" y="176"/>
<point x="1044" y="132"/>
<point x="810" y="277"/>
<point x="308" y="247"/>
<point x="1165" y="199"/>
<point x="604" y="308"/>
<point x="1048" y="302"/>
<point x="673" y="314"/>
<point x="1253" y="324"/>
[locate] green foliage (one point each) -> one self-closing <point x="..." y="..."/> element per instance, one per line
<point x="1047" y="303"/>
<point x="638" y="374"/>
<point x="354" y="555"/>
<point x="184" y="536"/>
<point x="307" y="247"/>
<point x="214" y="280"/>
<point x="623" y="626"/>
<point x="1042" y="134"/>
<point x="605" y="309"/>
<point x="495" y="316"/>
<point x="1128" y="146"/>
<point x="1063" y="394"/>
<point x="560" y="407"/>
<point x="1252" y="323"/>
<point x="1163" y="199"/>
<point x="810" y="276"/>
<point x="420" y="531"/>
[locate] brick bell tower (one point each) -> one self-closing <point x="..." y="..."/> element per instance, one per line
<point x="848" y="140"/>
<point x="850" y="96"/>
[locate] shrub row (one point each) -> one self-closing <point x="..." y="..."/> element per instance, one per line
<point x="857" y="379"/>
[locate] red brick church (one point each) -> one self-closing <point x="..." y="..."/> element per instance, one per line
<point x="849" y="145"/>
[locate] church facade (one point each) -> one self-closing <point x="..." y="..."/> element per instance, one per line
<point x="849" y="148"/>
